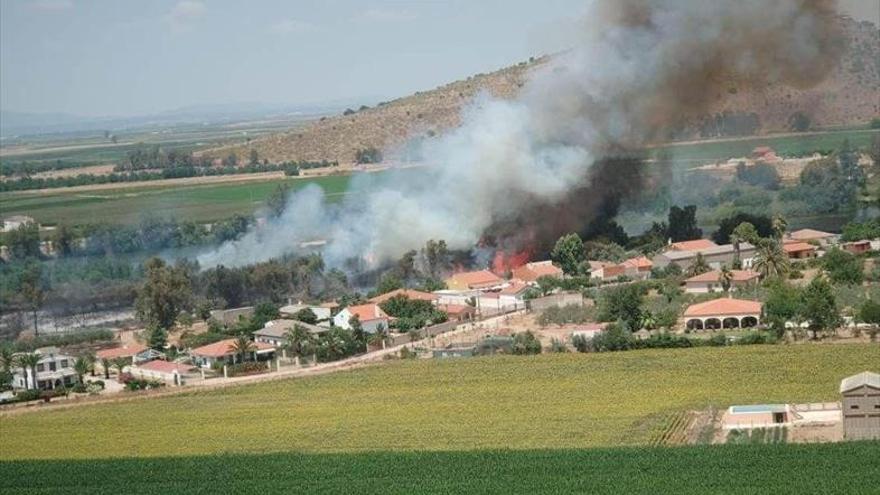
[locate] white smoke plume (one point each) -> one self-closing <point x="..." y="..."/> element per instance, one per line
<point x="636" y="69"/>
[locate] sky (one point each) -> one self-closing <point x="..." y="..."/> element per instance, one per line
<point x="127" y="57"/>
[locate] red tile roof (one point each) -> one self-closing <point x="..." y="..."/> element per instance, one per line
<point x="715" y="276"/>
<point x="226" y="348"/>
<point x="514" y="288"/>
<point x="640" y="262"/>
<point x="478" y="279"/>
<point x="456" y="309"/>
<point x="797" y="247"/>
<point x="694" y="245"/>
<point x="531" y="272"/>
<point x="121" y="352"/>
<point x="409" y="293"/>
<point x="723" y="307"/>
<point x="163" y="366"/>
<point x="809" y="235"/>
<point x="367" y="312"/>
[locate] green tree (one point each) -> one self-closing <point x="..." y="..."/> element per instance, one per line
<point x="81" y="367"/>
<point x="157" y="337"/>
<point x="699" y="266"/>
<point x="29" y="361"/>
<point x="33" y="287"/>
<point x="24" y="242"/>
<point x="277" y="201"/>
<point x="105" y="365"/>
<point x="843" y="267"/>
<point x="782" y="304"/>
<point x="264" y="312"/>
<point x="387" y="283"/>
<point x="820" y="307"/>
<point x="120" y="363"/>
<point x="62" y="239"/>
<point x="780" y="225"/>
<point x="437" y="257"/>
<point x="568" y="253"/>
<point x="682" y="224"/>
<point x="770" y="259"/>
<point x="525" y="343"/>
<point x="869" y="312"/>
<point x="306" y="315"/>
<point x="300" y="341"/>
<point x="163" y="294"/>
<point x="357" y="331"/>
<point x="243" y="347"/>
<point x="726" y="279"/>
<point x="622" y="303"/>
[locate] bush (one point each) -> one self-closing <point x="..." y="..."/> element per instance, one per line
<point x="557" y="346"/>
<point x="561" y="315"/>
<point x="526" y="343"/>
<point x="247" y="368"/>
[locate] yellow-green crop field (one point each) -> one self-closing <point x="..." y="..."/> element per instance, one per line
<point x="549" y="401"/>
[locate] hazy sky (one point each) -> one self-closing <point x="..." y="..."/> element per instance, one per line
<point x="124" y="57"/>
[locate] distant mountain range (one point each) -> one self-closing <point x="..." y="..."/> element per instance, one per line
<point x="25" y="123"/>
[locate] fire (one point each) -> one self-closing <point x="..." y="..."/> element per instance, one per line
<point x="504" y="262"/>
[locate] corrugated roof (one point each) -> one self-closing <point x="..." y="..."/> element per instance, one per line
<point x="864" y="378"/>
<point x="723" y="306"/>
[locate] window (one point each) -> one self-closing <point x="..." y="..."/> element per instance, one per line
<point x="52" y="365"/>
<point x="854" y="406"/>
<point x="41" y="367"/>
<point x="64" y="363"/>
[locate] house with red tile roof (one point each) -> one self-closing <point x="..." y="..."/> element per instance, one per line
<point x="224" y="352"/>
<point x="513" y="296"/>
<point x="477" y="280"/>
<point x="711" y="281"/>
<point x="413" y="294"/>
<point x="531" y="272"/>
<point x="134" y="353"/>
<point x="163" y="371"/>
<point x="694" y="245"/>
<point x="635" y="268"/>
<point x="798" y="250"/>
<point x="812" y="235"/>
<point x="723" y="313"/>
<point x="458" y="312"/>
<point x="370" y="315"/>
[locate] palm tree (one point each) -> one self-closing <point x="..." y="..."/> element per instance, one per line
<point x="648" y="321"/>
<point x="81" y="367"/>
<point x="780" y="225"/>
<point x="243" y="346"/>
<point x="120" y="363"/>
<point x="105" y="363"/>
<point x="29" y="361"/>
<point x="299" y="341"/>
<point x="90" y="359"/>
<point x="770" y="260"/>
<point x="699" y="266"/>
<point x="726" y="279"/>
<point x="378" y="338"/>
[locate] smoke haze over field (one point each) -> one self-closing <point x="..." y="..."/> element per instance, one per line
<point x="636" y="69"/>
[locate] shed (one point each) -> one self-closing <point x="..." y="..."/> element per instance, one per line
<point x="861" y="406"/>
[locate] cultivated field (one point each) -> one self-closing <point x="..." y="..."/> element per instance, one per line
<point x="851" y="469"/>
<point x="543" y="402"/>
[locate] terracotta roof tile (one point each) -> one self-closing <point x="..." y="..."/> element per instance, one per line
<point x="225" y="348"/>
<point x="124" y="351"/>
<point x="694" y="245"/>
<point x="367" y="312"/>
<point x="477" y="279"/>
<point x="723" y="306"/>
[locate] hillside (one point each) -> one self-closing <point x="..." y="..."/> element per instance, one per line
<point x="849" y="96"/>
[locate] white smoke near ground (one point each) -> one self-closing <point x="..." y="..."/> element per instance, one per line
<point x="637" y="69"/>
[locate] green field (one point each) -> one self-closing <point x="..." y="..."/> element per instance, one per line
<point x="202" y="203"/>
<point x="543" y="402"/>
<point x="783" y="145"/>
<point x="850" y="468"/>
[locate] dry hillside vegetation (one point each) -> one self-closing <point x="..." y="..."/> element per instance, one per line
<point x="849" y="95"/>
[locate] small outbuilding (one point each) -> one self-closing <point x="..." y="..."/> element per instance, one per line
<point x="861" y="406"/>
<point x="756" y="416"/>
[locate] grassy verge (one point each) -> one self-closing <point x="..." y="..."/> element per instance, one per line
<point x="548" y="401"/>
<point x="849" y="468"/>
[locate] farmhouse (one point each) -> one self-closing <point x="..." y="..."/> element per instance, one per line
<point x="857" y="247"/>
<point x="711" y="281"/>
<point x="53" y="370"/>
<point x="321" y="312"/>
<point x="811" y="235"/>
<point x="723" y="313"/>
<point x="694" y="245"/>
<point x="513" y="296"/>
<point x="478" y="280"/>
<point x="458" y="312"/>
<point x="798" y="250"/>
<point x="716" y="257"/>
<point x="233" y="315"/>
<point x="415" y="295"/>
<point x="861" y="406"/>
<point x="370" y="315"/>
<point x="275" y="332"/>
<point x="531" y="272"/>
<point x="224" y="352"/>
<point x="134" y="353"/>
<point x="636" y="268"/>
<point x="163" y="371"/>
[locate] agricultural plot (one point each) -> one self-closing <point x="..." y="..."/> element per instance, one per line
<point x="566" y="401"/>
<point x="202" y="203"/>
<point x="848" y="468"/>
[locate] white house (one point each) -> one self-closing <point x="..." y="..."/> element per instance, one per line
<point x="513" y="296"/>
<point x="370" y="315"/>
<point x="52" y="371"/>
<point x="711" y="281"/>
